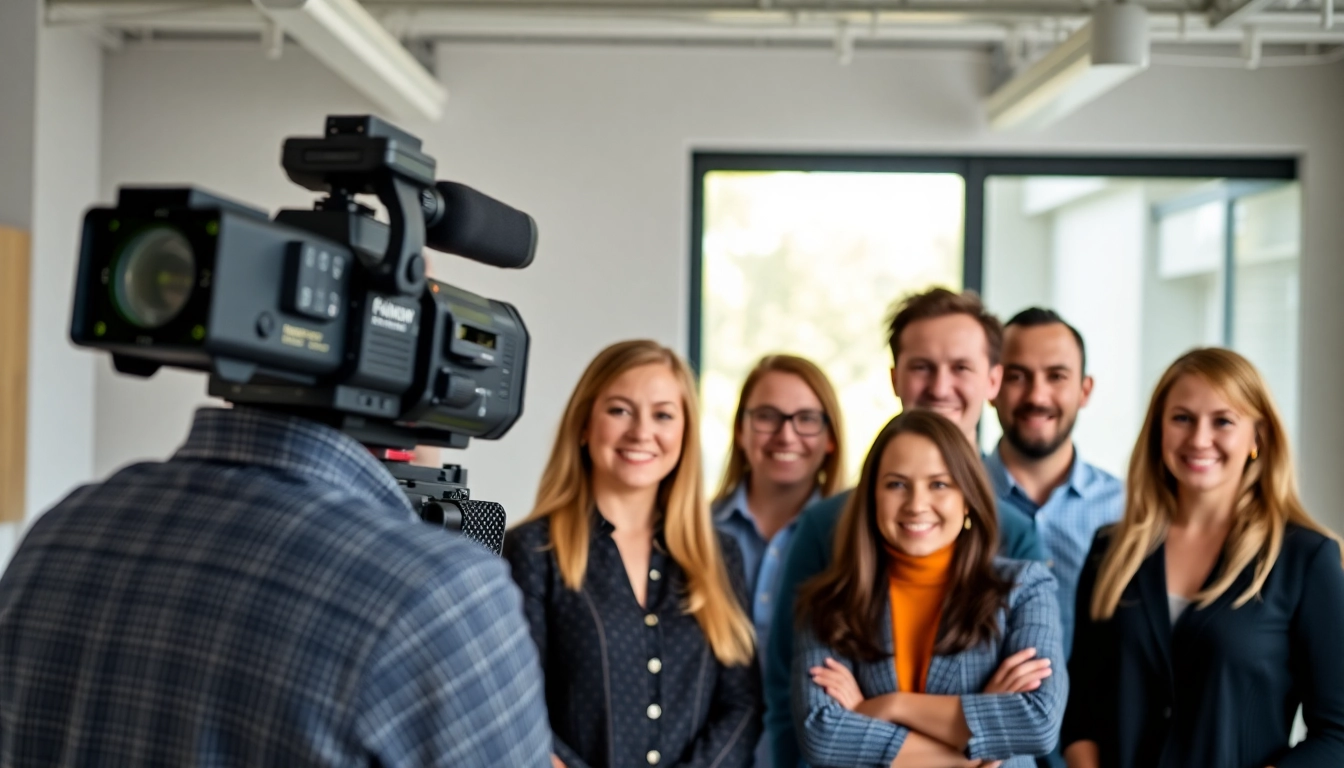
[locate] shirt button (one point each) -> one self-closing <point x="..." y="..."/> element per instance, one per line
<point x="1166" y="713"/>
<point x="651" y="620"/>
<point x="765" y="597"/>
<point x="654" y="711"/>
<point x="653" y="757"/>
<point x="655" y="665"/>
<point x="655" y="575"/>
<point x="1049" y="563"/>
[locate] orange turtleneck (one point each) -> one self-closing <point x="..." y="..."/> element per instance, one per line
<point x="917" y="587"/>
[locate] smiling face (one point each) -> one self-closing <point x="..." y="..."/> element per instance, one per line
<point x="918" y="507"/>
<point x="944" y="367"/>
<point x="781" y="456"/>
<point x="1206" y="440"/>
<point x="1043" y="388"/>
<point x="635" y="430"/>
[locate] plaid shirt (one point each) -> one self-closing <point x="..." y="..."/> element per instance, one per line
<point x="264" y="598"/>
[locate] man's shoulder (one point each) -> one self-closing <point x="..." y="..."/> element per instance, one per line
<point x="1097" y="482"/>
<point x="823" y="514"/>
<point x="260" y="525"/>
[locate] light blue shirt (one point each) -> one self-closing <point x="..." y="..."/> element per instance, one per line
<point x="1088" y="499"/>
<point x="761" y="560"/>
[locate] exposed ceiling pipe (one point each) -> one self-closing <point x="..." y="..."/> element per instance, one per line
<point x="933" y="21"/>
<point x="1251" y="47"/>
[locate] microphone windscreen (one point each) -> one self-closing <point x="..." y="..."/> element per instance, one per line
<point x="481" y="228"/>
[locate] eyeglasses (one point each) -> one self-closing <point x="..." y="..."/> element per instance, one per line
<point x="768" y="420"/>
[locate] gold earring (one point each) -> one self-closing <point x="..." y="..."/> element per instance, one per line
<point x="967" y="524"/>
<point x="1255" y="453"/>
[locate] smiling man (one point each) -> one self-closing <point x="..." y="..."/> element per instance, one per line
<point x="946" y="350"/>
<point x="1036" y="469"/>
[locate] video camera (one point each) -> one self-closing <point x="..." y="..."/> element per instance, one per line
<point x="325" y="312"/>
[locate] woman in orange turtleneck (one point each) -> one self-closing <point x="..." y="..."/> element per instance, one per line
<point x="918" y="648"/>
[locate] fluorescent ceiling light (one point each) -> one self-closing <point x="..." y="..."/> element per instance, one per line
<point x="342" y="35"/>
<point x="1108" y="50"/>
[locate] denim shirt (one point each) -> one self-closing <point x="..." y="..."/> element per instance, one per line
<point x="763" y="562"/>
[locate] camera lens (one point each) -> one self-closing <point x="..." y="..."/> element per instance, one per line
<point x="155" y="276"/>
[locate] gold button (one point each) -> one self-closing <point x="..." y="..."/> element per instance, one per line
<point x="653" y="757"/>
<point x="654" y="711"/>
<point x="651" y="620"/>
<point x="655" y="574"/>
<point x="655" y="666"/>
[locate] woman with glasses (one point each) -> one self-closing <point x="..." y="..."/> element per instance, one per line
<point x="786" y="454"/>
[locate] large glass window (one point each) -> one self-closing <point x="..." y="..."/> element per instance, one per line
<point x="808" y="263"/>
<point x="1148" y="258"/>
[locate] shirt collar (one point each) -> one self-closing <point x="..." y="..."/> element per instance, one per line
<point x="735" y="506"/>
<point x="600" y="527"/>
<point x="293" y="445"/>
<point x="1078" y="482"/>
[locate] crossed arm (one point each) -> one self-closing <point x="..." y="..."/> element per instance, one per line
<point x="1017" y="713"/>
<point x="939" y="732"/>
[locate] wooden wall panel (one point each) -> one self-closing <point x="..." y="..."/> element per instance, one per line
<point x="14" y="282"/>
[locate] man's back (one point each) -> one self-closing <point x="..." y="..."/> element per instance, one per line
<point x="263" y="598"/>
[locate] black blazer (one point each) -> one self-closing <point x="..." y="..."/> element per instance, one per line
<point x="1218" y="690"/>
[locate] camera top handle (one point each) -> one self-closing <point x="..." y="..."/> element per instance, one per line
<point x="366" y="155"/>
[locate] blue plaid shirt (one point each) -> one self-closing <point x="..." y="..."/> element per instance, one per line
<point x="264" y="598"/>
<point x="1065" y="523"/>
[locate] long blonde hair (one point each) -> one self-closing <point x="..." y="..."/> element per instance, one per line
<point x="829" y="476"/>
<point x="1266" y="502"/>
<point x="566" y="497"/>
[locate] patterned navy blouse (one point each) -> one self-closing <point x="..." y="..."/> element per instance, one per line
<point x="627" y="684"/>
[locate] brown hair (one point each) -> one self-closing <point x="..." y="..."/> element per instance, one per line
<point x="828" y="477"/>
<point x="846" y="603"/>
<point x="566" y="498"/>
<point x="1266" y="503"/>
<point x="940" y="302"/>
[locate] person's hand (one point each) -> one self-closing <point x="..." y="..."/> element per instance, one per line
<point x="989" y="764"/>
<point x="838" y="682"/>
<point x="556" y="762"/>
<point x="1019" y="673"/>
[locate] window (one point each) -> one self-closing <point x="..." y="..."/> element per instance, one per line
<point x="1147" y="257"/>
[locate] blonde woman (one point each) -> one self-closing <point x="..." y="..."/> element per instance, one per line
<point x="634" y="601"/>
<point x="1216" y="605"/>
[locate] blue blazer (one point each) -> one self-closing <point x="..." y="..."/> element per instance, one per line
<point x="1009" y="727"/>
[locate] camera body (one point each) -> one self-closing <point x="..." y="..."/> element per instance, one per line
<point x="327" y="311"/>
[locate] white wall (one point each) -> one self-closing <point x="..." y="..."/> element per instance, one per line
<point x="18" y="91"/>
<point x="65" y="183"/>
<point x="48" y="173"/>
<point x="596" y="143"/>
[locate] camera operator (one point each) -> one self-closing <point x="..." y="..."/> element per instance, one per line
<point x="262" y="598"/>
<point x="267" y="596"/>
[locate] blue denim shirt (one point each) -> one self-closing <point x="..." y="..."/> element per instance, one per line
<point x="763" y="563"/>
